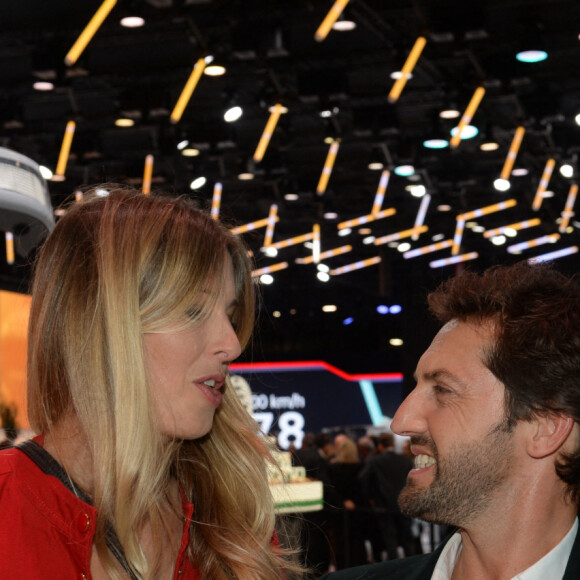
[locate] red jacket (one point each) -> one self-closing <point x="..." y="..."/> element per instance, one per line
<point x="46" y="532"/>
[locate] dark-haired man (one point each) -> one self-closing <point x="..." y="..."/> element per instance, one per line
<point x="494" y="427"/>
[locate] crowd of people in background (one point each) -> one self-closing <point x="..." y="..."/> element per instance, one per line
<point x="361" y="521"/>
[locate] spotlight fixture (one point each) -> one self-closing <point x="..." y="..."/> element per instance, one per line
<point x="449" y="114"/>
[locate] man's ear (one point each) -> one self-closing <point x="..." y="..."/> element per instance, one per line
<point x="549" y="433"/>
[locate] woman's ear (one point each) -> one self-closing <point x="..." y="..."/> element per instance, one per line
<point x="549" y="433"/>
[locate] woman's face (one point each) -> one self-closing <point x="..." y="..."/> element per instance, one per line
<point x="187" y="368"/>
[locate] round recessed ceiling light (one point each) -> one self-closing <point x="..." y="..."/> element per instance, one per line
<point x="404" y="170"/>
<point x="435" y="143"/>
<point x="43" y="86"/>
<point x="449" y="114"/>
<point x="124" y="122"/>
<point x="532" y="55"/>
<point x="344" y="25"/>
<point x="489" y="146"/>
<point x="501" y="184"/>
<point x="132" y="22"/>
<point x="214" y="70"/>
<point x="190" y="152"/>
<point x="468" y="132"/>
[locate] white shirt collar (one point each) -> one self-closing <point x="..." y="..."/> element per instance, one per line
<point x="552" y="565"/>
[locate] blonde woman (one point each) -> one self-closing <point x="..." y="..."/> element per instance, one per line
<point x="146" y="465"/>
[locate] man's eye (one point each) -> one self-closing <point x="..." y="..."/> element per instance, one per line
<point x="440" y="390"/>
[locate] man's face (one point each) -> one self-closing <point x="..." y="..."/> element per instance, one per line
<point x="455" y="417"/>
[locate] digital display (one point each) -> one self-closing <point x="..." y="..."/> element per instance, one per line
<point x="292" y="398"/>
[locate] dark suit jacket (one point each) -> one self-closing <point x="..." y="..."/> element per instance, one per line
<point x="421" y="567"/>
<point x="383" y="477"/>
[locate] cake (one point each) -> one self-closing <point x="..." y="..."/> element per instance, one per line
<point x="291" y="489"/>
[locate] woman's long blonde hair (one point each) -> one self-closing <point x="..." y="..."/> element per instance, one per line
<point x="115" y="267"/>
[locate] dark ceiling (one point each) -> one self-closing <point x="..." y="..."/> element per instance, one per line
<point x="270" y="54"/>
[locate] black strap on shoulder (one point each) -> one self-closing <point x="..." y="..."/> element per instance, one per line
<point x="50" y="466"/>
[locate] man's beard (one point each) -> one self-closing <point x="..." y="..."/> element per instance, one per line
<point x="465" y="480"/>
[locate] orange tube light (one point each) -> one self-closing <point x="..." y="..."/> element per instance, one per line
<point x="365" y="219"/>
<point x="293" y="241"/>
<point x="147" y="174"/>
<point x="251" y="226"/>
<point x="330" y="19"/>
<point x="89" y="31"/>
<point x="453" y="260"/>
<point x="421" y="216"/>
<point x="272" y="218"/>
<point x="457" y="236"/>
<point x="549" y="239"/>
<point x="517" y="226"/>
<point x="327" y="169"/>
<point x="355" y="266"/>
<point x="216" y="200"/>
<point x="328" y="254"/>
<point x="512" y="153"/>
<point x="543" y="185"/>
<point x="268" y="132"/>
<point x="487" y="210"/>
<point x="427" y="249"/>
<point x="381" y="189"/>
<point x="407" y="69"/>
<point x="10" y="247"/>
<point x="269" y="269"/>
<point x="467" y="116"/>
<point x="553" y="255"/>
<point x="399" y="236"/>
<point x="187" y="91"/>
<point x="569" y="208"/>
<point x="65" y="149"/>
<point x="316" y="243"/>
